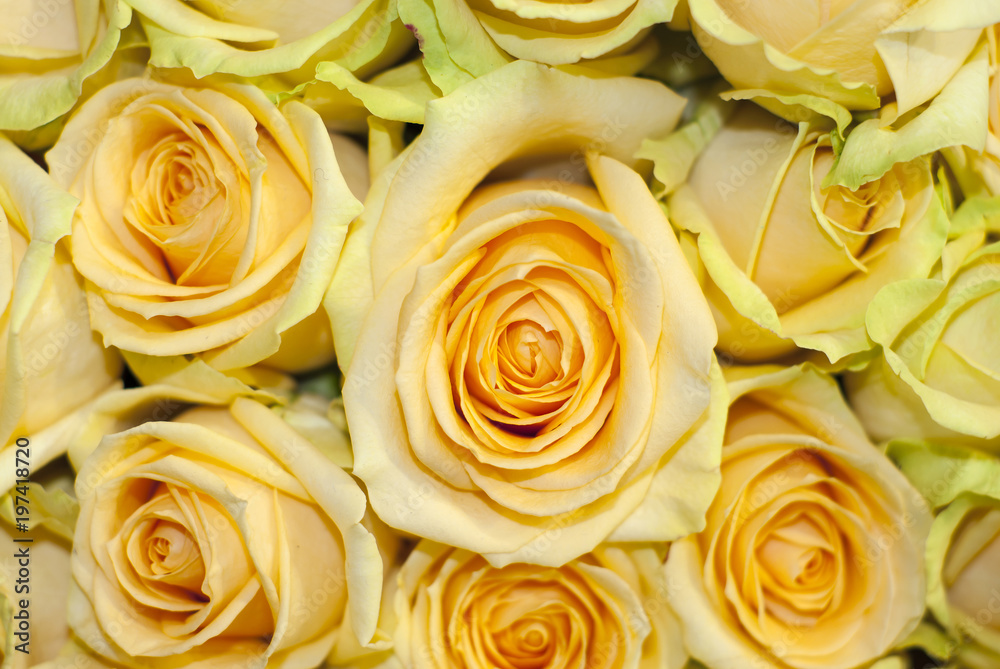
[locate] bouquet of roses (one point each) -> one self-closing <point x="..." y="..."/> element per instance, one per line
<point x="500" y="334"/>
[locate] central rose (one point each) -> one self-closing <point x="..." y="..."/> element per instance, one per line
<point x="534" y="366"/>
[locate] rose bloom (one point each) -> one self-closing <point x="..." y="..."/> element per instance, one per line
<point x="604" y="609"/>
<point x="963" y="548"/>
<point x="788" y="263"/>
<point x="963" y="554"/>
<point x="937" y="375"/>
<point x="210" y="221"/>
<point x="254" y="38"/>
<point x="813" y="552"/>
<point x="49" y="49"/>
<point x="51" y="364"/>
<point x="524" y="352"/>
<point x="218" y="538"/>
<point x="478" y="37"/>
<point x="851" y="52"/>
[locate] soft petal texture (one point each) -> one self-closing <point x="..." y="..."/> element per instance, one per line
<point x="957" y="117"/>
<point x="977" y="168"/>
<point x="534" y="352"/>
<point x="852" y="53"/>
<point x="217" y="537"/>
<point x="604" y="609"/>
<point x="347" y="103"/>
<point x="49" y="51"/>
<point x="963" y="548"/>
<point x="462" y="40"/>
<point x="813" y="552"/>
<point x="938" y="373"/>
<point x="256" y="38"/>
<point x="323" y="423"/>
<point x="788" y="262"/>
<point x="186" y="384"/>
<point x="50" y="362"/>
<point x="210" y="221"/>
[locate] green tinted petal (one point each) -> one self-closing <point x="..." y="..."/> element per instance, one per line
<point x="28" y="101"/>
<point x="928" y="44"/>
<point x="396" y="95"/>
<point x="674" y="156"/>
<point x="450" y="61"/>
<point x="801" y="108"/>
<point x="181" y="36"/>
<point x="957" y="116"/>
<point x="556" y="46"/>
<point x="941" y="472"/>
<point x="931" y="639"/>
<point x="910" y="318"/>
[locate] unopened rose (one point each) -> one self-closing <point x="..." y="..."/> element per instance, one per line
<point x="49" y="49"/>
<point x="528" y="359"/>
<point x="853" y="53"/>
<point x="217" y="539"/>
<point x="604" y="609"/>
<point x="813" y="552"/>
<point x="210" y="221"/>
<point x="937" y="375"/>
<point x="51" y="364"/>
<point x="789" y="263"/>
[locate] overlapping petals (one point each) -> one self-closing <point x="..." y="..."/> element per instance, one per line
<point x="541" y="356"/>
<point x="219" y="537"/>
<point x="937" y="377"/>
<point x="51" y="364"/>
<point x="605" y="609"/>
<point x="210" y="220"/>
<point x="48" y="52"/>
<point x="811" y="527"/>
<point x="792" y="263"/>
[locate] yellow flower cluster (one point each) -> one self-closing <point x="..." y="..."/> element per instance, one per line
<point x="500" y="334"/>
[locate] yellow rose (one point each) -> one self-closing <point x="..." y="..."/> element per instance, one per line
<point x="966" y="570"/>
<point x="963" y="548"/>
<point x="462" y="40"/>
<point x="526" y="354"/>
<point x="852" y="53"/>
<point x="813" y="552"/>
<point x="787" y="262"/>
<point x="256" y="38"/>
<point x="219" y="539"/>
<point x="49" y="49"/>
<point x="51" y="364"/>
<point x="936" y="377"/>
<point x="604" y="609"/>
<point x="210" y="221"/>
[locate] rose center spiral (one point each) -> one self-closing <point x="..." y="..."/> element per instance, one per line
<point x="529" y="354"/>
